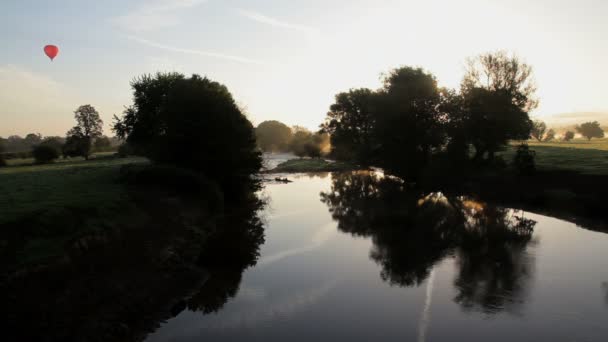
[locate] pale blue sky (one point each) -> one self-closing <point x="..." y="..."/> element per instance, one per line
<point x="282" y="59"/>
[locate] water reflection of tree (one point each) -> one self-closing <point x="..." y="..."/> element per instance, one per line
<point x="232" y="248"/>
<point x="411" y="231"/>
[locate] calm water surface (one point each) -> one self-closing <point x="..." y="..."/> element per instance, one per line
<point x="345" y="259"/>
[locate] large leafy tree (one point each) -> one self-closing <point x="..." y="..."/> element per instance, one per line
<point x="590" y="130"/>
<point x="350" y="123"/>
<point x="409" y="126"/>
<point x="88" y="127"/>
<point x="193" y="123"/>
<point x="499" y="92"/>
<point x="273" y="136"/>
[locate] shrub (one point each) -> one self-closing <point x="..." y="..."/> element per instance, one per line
<point x="125" y="150"/>
<point x="44" y="154"/>
<point x="524" y="160"/>
<point x="2" y="161"/>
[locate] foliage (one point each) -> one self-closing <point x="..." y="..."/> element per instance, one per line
<point x="102" y="143"/>
<point x="590" y="130"/>
<point x="549" y="136"/>
<point x="504" y="73"/>
<point x="54" y="142"/>
<point x="273" y="136"/>
<point x="44" y="154"/>
<point x="538" y="130"/>
<point x="76" y="145"/>
<point x="494" y="120"/>
<point x="192" y="123"/>
<point x="409" y="123"/>
<point x="524" y="160"/>
<point x="569" y="135"/>
<point x="88" y="127"/>
<point x="350" y="122"/>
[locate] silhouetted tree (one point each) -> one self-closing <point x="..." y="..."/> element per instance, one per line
<point x="273" y="136"/>
<point x="88" y="127"/>
<point x="193" y="123"/>
<point x="44" y="154"/>
<point x="524" y="160"/>
<point x="590" y="130"/>
<point x="549" y="136"/>
<point x="76" y="144"/>
<point x="508" y="74"/>
<point x="350" y="123"/>
<point x="569" y="135"/>
<point x="538" y="130"/>
<point x="409" y="122"/>
<point x="2" y="150"/>
<point x="33" y="139"/>
<point x="54" y="142"/>
<point x="493" y="121"/>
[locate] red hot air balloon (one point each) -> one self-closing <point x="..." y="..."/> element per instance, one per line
<point x="51" y="51"/>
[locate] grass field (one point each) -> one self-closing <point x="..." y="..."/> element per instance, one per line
<point x="588" y="157"/>
<point x="67" y="184"/>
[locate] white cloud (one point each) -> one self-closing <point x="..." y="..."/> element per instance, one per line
<point x="261" y="18"/>
<point x="154" y="15"/>
<point x="217" y="55"/>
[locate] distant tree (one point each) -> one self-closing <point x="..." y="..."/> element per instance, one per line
<point x="2" y="150"/>
<point x="54" y="142"/>
<point x="33" y="139"/>
<point x="88" y="127"/>
<point x="549" y="136"/>
<point x="15" y="143"/>
<point x="193" y="123"/>
<point x="569" y="135"/>
<point x="312" y="150"/>
<point x="102" y="143"/>
<point x="298" y="144"/>
<point x="590" y="130"/>
<point x="508" y="74"/>
<point x="538" y="130"/>
<point x="76" y="144"/>
<point x="350" y="123"/>
<point x="273" y="136"/>
<point x="44" y="154"/>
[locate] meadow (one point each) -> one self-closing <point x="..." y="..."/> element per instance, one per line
<point x="579" y="155"/>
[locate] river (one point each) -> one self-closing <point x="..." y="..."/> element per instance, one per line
<point x="350" y="257"/>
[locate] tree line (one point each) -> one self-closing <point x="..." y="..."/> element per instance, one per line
<point x="83" y="139"/>
<point x="410" y="125"/>
<point x="588" y="130"/>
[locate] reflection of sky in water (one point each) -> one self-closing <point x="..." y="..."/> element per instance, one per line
<point x="313" y="282"/>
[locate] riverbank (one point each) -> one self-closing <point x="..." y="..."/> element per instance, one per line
<point x="304" y="165"/>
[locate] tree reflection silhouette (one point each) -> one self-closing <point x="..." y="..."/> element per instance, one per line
<point x="412" y="230"/>
<point x="231" y="249"/>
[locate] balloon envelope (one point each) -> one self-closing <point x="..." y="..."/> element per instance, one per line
<point x="51" y="51"/>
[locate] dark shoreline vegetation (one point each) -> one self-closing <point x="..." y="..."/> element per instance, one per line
<point x="122" y="242"/>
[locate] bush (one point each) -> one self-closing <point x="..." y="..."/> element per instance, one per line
<point x="2" y="161"/>
<point x="45" y="154"/>
<point x="524" y="160"/>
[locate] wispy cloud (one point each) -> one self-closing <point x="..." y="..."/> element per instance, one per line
<point x="154" y="15"/>
<point x="195" y="52"/>
<point x="261" y="18"/>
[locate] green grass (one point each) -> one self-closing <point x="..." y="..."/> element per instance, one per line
<point x="54" y="187"/>
<point x="593" y="144"/>
<point x="578" y="155"/>
<point x="312" y="165"/>
<point x="30" y="161"/>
